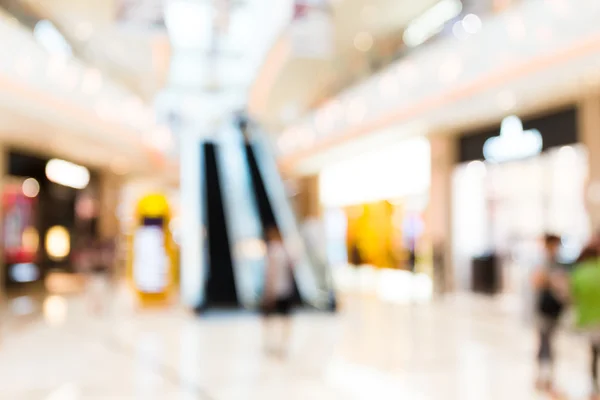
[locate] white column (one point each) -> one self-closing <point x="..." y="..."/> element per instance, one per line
<point x="193" y="269"/>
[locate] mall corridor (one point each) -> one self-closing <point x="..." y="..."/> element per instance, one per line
<point x="419" y="179"/>
<point x="461" y="348"/>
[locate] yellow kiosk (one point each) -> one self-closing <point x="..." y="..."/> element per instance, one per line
<point x="151" y="268"/>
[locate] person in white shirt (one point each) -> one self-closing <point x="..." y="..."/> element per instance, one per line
<point x="278" y="294"/>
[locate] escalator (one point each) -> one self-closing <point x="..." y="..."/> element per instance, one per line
<point x="312" y="275"/>
<point x="243" y="196"/>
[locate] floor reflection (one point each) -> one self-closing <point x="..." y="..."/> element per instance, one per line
<point x="461" y="348"/>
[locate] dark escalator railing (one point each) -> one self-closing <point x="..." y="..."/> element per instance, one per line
<point x="220" y="282"/>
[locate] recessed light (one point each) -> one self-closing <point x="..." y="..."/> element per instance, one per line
<point x="363" y="41"/>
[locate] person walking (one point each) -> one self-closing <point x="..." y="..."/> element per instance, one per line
<point x="547" y="281"/>
<point x="585" y="296"/>
<point x="278" y="294"/>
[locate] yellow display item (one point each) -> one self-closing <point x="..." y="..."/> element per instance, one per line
<point x="151" y="267"/>
<point x="372" y="235"/>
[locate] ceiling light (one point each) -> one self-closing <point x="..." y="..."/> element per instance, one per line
<point x="189" y="23"/>
<point x="459" y="31"/>
<point x="407" y="72"/>
<point x="356" y="112"/>
<point x="31" y="187"/>
<point x="50" y="38"/>
<point x="324" y="121"/>
<point x="58" y="243"/>
<point x="363" y="41"/>
<point x="388" y="85"/>
<point x="431" y="22"/>
<point x="306" y="137"/>
<point x="471" y="23"/>
<point x="67" y="174"/>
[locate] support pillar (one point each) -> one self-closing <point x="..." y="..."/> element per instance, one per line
<point x="439" y="212"/>
<point x="589" y="130"/>
<point x="308" y="204"/>
<point x="108" y="222"/>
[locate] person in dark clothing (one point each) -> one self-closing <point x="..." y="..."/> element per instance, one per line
<point x="549" y="306"/>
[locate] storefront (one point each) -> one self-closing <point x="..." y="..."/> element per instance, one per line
<point x="50" y="209"/>
<point x="374" y="207"/>
<point x="516" y="181"/>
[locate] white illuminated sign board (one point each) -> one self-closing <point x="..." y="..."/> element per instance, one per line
<point x="513" y="143"/>
<point x="150" y="262"/>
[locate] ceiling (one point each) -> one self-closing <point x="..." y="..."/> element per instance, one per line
<point x="218" y="48"/>
<point x="135" y="56"/>
<point x="537" y="57"/>
<point x="141" y="74"/>
<point x="297" y="84"/>
<point x="51" y="105"/>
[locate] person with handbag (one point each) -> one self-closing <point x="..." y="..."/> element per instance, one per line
<point x="550" y="302"/>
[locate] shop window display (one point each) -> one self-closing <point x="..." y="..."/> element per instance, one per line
<point x="504" y="209"/>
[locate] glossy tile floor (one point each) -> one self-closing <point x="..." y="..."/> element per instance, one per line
<point x="463" y="348"/>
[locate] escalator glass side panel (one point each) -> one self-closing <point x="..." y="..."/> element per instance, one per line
<point x="242" y="217"/>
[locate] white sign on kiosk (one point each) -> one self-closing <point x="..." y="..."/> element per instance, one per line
<point x="513" y="143"/>
<point x="150" y="263"/>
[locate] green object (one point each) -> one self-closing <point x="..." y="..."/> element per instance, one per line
<point x="585" y="290"/>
